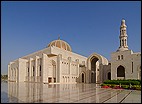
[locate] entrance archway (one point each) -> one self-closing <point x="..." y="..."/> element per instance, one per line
<point x="121" y="72"/>
<point x="93" y="69"/>
<point x="95" y="64"/>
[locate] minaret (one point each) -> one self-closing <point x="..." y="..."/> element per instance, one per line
<point x="123" y="37"/>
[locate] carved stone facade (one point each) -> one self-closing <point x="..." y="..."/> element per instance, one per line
<point x="58" y="64"/>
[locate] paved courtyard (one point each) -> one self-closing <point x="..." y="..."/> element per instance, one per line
<point x="68" y="93"/>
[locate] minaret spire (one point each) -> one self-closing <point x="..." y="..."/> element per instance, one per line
<point x="123" y="37"/>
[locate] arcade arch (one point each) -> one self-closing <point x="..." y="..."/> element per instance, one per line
<point x="120" y="72"/>
<point x="94" y="64"/>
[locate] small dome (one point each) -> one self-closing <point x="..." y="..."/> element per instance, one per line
<point x="60" y="44"/>
<point x="122" y="22"/>
<point x="123" y="25"/>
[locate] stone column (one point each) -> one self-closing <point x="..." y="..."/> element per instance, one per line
<point x="45" y="62"/>
<point x="43" y="69"/>
<point x="101" y="72"/>
<point x="88" y="76"/>
<point x="58" y="69"/>
<point x="88" y="71"/>
<point x="36" y="69"/>
<point x="54" y="72"/>
<point x="77" y="70"/>
<point x="16" y="74"/>
<point x="77" y="60"/>
<point x="8" y="72"/>
<point x="70" y="72"/>
<point x="30" y="70"/>
<point x="52" y="80"/>
<point x="12" y="74"/>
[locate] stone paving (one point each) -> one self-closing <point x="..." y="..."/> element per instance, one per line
<point x="69" y="93"/>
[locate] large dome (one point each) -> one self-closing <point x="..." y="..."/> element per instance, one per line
<point x="60" y="44"/>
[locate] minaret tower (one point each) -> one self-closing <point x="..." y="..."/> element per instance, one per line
<point x="123" y="37"/>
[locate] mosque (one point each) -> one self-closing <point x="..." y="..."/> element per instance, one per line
<point x="58" y="64"/>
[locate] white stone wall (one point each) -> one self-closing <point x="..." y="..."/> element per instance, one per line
<point x="66" y="54"/>
<point x="22" y="70"/>
<point x="38" y="53"/>
<point x="126" y="62"/>
<point x="68" y="66"/>
<point x="136" y="59"/>
<point x="82" y="70"/>
<point x="106" y="70"/>
<point x="69" y="70"/>
<point x="65" y="67"/>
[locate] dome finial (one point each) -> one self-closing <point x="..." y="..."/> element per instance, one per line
<point x="123" y="21"/>
<point x="59" y="37"/>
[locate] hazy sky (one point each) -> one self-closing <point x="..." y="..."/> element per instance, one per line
<point x="88" y="27"/>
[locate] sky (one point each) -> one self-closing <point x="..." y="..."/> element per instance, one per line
<point x="29" y="26"/>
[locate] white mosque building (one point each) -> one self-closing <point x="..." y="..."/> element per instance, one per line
<point x="58" y="64"/>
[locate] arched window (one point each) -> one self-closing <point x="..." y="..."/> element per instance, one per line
<point x="120" y="71"/>
<point x="118" y="57"/>
<point x="122" y="57"/>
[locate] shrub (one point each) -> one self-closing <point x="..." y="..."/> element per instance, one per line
<point x="125" y="86"/>
<point x="106" y="85"/>
<point x="103" y="84"/>
<point x="138" y="88"/>
<point x="123" y="82"/>
<point x="112" y="85"/>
